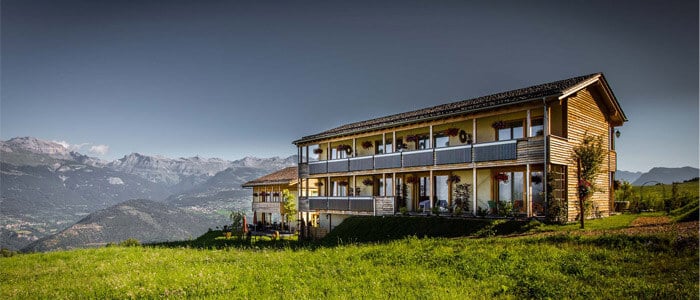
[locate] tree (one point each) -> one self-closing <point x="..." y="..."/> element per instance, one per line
<point x="588" y="157"/>
<point x="236" y="221"/>
<point x="290" y="206"/>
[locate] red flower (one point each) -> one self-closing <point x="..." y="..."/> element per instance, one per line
<point x="501" y="177"/>
<point x="453" y="131"/>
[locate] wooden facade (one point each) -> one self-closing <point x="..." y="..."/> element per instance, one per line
<point x="502" y="150"/>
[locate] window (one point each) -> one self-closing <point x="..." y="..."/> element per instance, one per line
<point x="441" y="189"/>
<point x="389" y="148"/>
<point x="340" y="190"/>
<point x="511" y="131"/>
<point x="442" y="141"/>
<point x="537" y="188"/>
<point x="536" y="127"/>
<point x="335" y="154"/>
<point x="389" y="186"/>
<point x="422" y="142"/>
<point x="423" y="188"/>
<point x="378" y="147"/>
<point x="510" y="191"/>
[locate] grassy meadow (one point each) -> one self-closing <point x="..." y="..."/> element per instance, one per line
<point x="555" y="264"/>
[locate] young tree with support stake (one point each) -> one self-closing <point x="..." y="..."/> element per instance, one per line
<point x="588" y="156"/>
<point x="290" y="206"/>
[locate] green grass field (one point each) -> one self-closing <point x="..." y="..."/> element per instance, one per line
<point x="554" y="265"/>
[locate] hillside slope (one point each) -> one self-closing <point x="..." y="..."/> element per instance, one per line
<point x="144" y="220"/>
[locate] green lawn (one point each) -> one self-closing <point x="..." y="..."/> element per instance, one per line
<point x="558" y="266"/>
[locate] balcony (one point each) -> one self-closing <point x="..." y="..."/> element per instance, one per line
<point x="267" y="207"/>
<point x="503" y="150"/>
<point x="349" y="205"/>
<point x="387" y="161"/>
<point x="418" y="158"/>
<point x="527" y="149"/>
<point x="453" y="155"/>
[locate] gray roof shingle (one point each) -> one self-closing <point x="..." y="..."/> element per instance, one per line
<point x="465" y="106"/>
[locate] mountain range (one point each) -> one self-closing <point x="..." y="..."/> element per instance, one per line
<point x="54" y="198"/>
<point x="45" y="188"/>
<point x="144" y="220"/>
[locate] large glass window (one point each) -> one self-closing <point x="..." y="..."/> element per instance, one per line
<point x="537" y="188"/>
<point x="441" y="191"/>
<point x="337" y="154"/>
<point x="423" y="188"/>
<point x="389" y="186"/>
<point x="536" y="127"/>
<point x="423" y="142"/>
<point x="442" y="141"/>
<point x="340" y="188"/>
<point x="511" y="131"/>
<point x="511" y="191"/>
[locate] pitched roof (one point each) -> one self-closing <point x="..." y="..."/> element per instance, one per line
<point x="285" y="176"/>
<point x="466" y="106"/>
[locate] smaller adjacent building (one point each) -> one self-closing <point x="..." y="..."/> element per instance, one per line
<point x="267" y="194"/>
<point x="267" y="205"/>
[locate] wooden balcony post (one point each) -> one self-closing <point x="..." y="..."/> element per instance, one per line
<point x="430" y="138"/>
<point x="528" y="125"/>
<point x="528" y="190"/>
<point x="430" y="188"/>
<point x="474" y="191"/>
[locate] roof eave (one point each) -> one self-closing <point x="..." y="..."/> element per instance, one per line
<point x="618" y="116"/>
<point x="317" y="138"/>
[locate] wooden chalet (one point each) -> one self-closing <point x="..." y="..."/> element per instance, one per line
<point x="492" y="155"/>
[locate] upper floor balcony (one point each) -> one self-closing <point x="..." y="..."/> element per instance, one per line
<point x="511" y="150"/>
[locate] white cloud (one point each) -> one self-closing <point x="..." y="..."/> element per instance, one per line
<point x="99" y="149"/>
<point x="71" y="147"/>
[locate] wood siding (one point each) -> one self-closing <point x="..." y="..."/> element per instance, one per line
<point x="585" y="117"/>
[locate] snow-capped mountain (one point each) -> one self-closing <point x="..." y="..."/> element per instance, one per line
<point x="36" y="146"/>
<point x="45" y="187"/>
<point x="169" y="171"/>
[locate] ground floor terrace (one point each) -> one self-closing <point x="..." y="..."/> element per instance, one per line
<point x="508" y="191"/>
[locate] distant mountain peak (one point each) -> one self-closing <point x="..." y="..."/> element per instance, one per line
<point x="35" y="145"/>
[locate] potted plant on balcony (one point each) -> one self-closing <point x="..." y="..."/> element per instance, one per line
<point x="498" y="125"/>
<point x="501" y="177"/>
<point x="342" y="183"/>
<point x="411" y="180"/>
<point x="536" y="179"/>
<point x="367" y="144"/>
<point x="255" y="194"/>
<point x="275" y="194"/>
<point x="453" y="131"/>
<point x="318" y="151"/>
<point x="368" y="182"/>
<point x="346" y="148"/>
<point x="319" y="183"/>
<point x="453" y="179"/>
<point x="263" y="194"/>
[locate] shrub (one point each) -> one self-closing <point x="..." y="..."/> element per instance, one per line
<point x="131" y="242"/>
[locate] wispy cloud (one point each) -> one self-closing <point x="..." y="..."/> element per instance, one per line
<point x="71" y="147"/>
<point x="99" y="150"/>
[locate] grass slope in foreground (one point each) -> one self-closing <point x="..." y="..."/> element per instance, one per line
<point x="555" y="265"/>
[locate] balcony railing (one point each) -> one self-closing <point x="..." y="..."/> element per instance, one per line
<point x="268" y="207"/>
<point x="483" y="152"/>
<point x="356" y="204"/>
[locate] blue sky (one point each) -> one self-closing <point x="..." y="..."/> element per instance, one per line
<point x="231" y="79"/>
